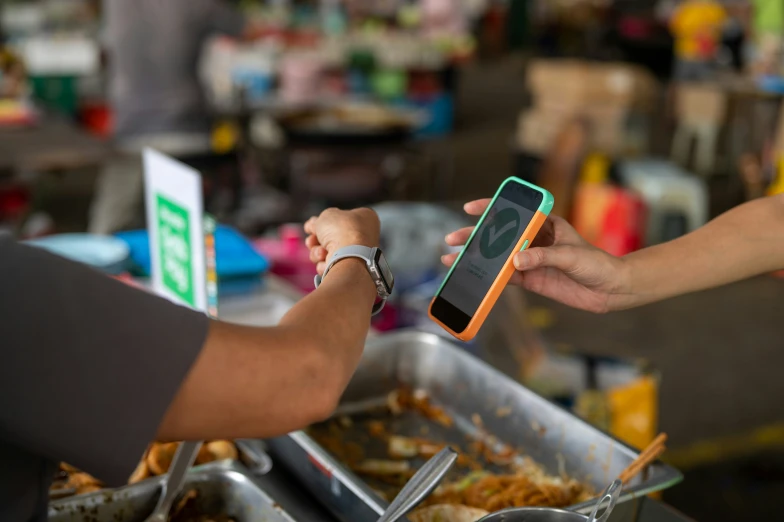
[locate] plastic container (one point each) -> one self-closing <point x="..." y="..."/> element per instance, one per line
<point x="289" y="257"/>
<point x="439" y="109"/>
<point x="104" y="253"/>
<point x="235" y="257"/>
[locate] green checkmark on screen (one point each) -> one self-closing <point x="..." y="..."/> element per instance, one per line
<point x="500" y="233"/>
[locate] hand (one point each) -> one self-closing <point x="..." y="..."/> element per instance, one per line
<point x="335" y="229"/>
<point x="561" y="265"/>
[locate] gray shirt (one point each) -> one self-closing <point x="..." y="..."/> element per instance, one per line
<point x="154" y="49"/>
<point x="90" y="366"/>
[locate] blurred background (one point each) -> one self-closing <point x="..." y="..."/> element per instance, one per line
<point x="644" y="118"/>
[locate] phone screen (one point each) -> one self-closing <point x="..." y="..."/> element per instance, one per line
<point x="485" y="255"/>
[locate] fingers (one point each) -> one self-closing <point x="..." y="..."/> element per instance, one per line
<point x="311" y="241"/>
<point x="318" y="254"/>
<point x="449" y="259"/>
<point x="564" y="233"/>
<point x="310" y="226"/>
<point x="560" y="257"/>
<point x="459" y="237"/>
<point x="477" y="208"/>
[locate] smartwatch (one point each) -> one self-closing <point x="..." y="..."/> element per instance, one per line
<point x="376" y="265"/>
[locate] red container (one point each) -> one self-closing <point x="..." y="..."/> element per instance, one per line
<point x="97" y="118"/>
<point x="623" y="226"/>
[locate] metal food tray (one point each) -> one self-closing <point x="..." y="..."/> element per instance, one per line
<point x="463" y="385"/>
<point x="252" y="453"/>
<point x="224" y="488"/>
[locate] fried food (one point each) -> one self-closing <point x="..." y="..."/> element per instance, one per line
<point x="419" y="401"/>
<point x="156" y="460"/>
<point x="402" y="447"/>
<point x="447" y="513"/>
<point x="142" y="470"/>
<point x="160" y="457"/>
<point x="500" y="476"/>
<point x="222" y="449"/>
<point x="64" y="466"/>
<point x="187" y="510"/>
<point x="377" y="429"/>
<point x="187" y="498"/>
<point x="384" y="467"/>
<point x="204" y="456"/>
<point x="83" y="483"/>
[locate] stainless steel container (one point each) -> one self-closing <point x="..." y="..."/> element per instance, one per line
<point x="464" y="386"/>
<point x="224" y="488"/>
<point x="535" y="515"/>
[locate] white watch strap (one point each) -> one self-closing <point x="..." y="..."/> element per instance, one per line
<point x="358" y="251"/>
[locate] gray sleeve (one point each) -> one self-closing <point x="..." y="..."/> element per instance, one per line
<point x="219" y="17"/>
<point x="89" y="364"/>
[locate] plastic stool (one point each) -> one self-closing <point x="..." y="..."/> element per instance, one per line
<point x="700" y="110"/>
<point x="668" y="191"/>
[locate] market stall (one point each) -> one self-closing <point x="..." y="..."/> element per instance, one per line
<point x="315" y="474"/>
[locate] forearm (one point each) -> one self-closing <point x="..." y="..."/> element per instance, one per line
<point x="337" y="315"/>
<point x="744" y="242"/>
<point x="264" y="382"/>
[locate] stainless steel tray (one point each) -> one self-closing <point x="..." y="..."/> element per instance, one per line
<point x="264" y="307"/>
<point x="464" y="386"/>
<point x="252" y="453"/>
<point x="224" y="487"/>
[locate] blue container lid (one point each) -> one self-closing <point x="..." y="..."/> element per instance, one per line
<point x="104" y="253"/>
<point x="234" y="255"/>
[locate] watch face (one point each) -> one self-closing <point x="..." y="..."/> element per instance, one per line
<point x="386" y="273"/>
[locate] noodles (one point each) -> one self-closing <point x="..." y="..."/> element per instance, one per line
<point x="494" y="492"/>
<point x="489" y="474"/>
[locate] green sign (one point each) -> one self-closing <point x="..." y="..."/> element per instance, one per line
<point x="174" y="249"/>
<point x="500" y="233"/>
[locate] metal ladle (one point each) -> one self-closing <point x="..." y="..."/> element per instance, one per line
<point x="421" y="485"/>
<point x="546" y="514"/>
<point x="610" y="494"/>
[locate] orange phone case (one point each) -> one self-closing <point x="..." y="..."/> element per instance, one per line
<point x="498" y="285"/>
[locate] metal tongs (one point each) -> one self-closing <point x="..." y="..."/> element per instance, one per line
<point x="421" y="485"/>
<point x="183" y="460"/>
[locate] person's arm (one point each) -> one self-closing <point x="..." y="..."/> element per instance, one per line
<point x="743" y="242"/>
<point x="93" y="370"/>
<point x="561" y="265"/>
<point x="262" y="382"/>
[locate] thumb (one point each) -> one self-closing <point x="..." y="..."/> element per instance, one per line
<point x="560" y="257"/>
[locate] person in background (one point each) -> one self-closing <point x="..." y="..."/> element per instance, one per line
<point x="743" y="242"/>
<point x="94" y="370"/>
<point x="697" y="28"/>
<point x="156" y="97"/>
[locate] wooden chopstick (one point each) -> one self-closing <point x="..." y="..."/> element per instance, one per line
<point x="652" y="452"/>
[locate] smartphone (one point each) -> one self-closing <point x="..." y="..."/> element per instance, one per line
<point x="485" y="265"/>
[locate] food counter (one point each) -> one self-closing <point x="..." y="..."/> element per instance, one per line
<point x="414" y="392"/>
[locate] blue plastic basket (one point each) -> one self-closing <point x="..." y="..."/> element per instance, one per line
<point x="235" y="257"/>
